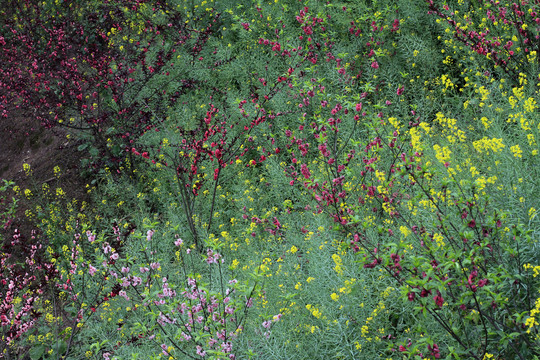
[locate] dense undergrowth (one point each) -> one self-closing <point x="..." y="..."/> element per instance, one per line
<point x="286" y="180"/>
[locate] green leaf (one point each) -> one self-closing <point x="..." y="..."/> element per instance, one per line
<point x="93" y="152"/>
<point x="60" y="347"/>
<point x="37" y="352"/>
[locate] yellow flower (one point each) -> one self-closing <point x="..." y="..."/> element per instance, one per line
<point x="516" y="150"/>
<point x="486" y="144"/>
<point x="529" y="105"/>
<point x="339" y="264"/>
<point x="439" y="239"/>
<point x="485" y="121"/>
<point x="532" y="213"/>
<point x="442" y="154"/>
<point x="364" y="330"/>
<point x="49" y="318"/>
<point x="27" y="169"/>
<point x="404" y="230"/>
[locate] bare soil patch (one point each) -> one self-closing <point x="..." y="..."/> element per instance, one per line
<point x="24" y="140"/>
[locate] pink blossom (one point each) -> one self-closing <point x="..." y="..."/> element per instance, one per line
<point x="123" y="294"/>
<point x="164" y="347"/>
<point x="227" y="347"/>
<point x="106" y="248"/>
<point x="91" y="237"/>
<point x="92" y="270"/>
<point x="200" y="351"/>
<point x="136" y="281"/>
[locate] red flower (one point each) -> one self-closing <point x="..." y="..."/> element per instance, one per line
<point x="425" y="293"/>
<point x="483" y="282"/>
<point x="305" y="171"/>
<point x="435" y="352"/>
<point x="438" y="299"/>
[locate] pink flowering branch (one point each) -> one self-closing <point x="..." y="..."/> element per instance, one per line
<point x="24" y="279"/>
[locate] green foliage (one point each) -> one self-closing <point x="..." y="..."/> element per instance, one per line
<point x="7" y="206"/>
<point x="303" y="180"/>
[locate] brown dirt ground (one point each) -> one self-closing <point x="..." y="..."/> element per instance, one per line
<point x="24" y="140"/>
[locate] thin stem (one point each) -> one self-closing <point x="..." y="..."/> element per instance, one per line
<point x="216" y="182"/>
